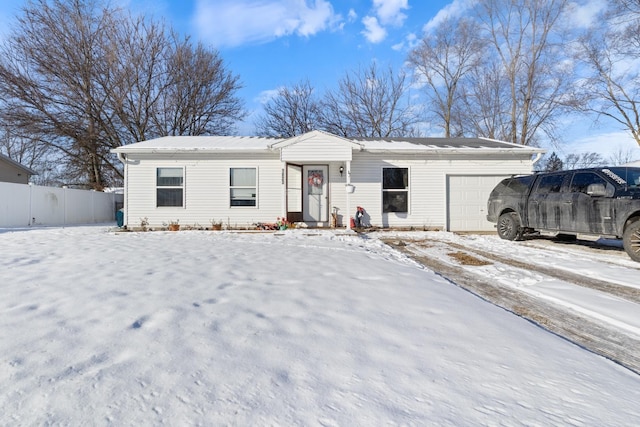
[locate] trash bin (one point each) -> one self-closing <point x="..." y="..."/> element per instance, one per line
<point x="120" y="217"/>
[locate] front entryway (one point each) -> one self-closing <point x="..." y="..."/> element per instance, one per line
<point x="315" y="196"/>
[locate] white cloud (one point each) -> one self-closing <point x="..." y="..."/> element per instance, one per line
<point x="352" y="15"/>
<point x="409" y="42"/>
<point x="455" y="9"/>
<point x="267" y="95"/>
<point x="384" y="13"/>
<point x="237" y="22"/>
<point x="373" y="32"/>
<point x="389" y="11"/>
<point x="606" y="143"/>
<point x="584" y="14"/>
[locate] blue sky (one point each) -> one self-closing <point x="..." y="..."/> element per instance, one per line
<point x="273" y="43"/>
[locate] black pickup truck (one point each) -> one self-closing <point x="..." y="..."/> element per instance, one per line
<point x="602" y="202"/>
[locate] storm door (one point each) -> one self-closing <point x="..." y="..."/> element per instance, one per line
<point x="315" y="197"/>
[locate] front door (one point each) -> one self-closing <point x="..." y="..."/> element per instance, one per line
<point x="315" y="197"/>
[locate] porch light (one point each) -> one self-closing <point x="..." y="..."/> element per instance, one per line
<point x="341" y="169"/>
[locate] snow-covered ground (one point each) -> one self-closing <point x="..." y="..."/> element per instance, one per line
<point x="302" y="328"/>
<point x="612" y="266"/>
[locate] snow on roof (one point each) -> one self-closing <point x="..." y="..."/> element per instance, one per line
<point x="427" y="144"/>
<point x="201" y="143"/>
<point x="255" y="143"/>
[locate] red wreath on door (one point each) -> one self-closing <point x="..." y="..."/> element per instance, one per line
<point x="315" y="179"/>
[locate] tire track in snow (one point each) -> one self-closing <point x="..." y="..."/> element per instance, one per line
<point x="583" y="331"/>
<point x="628" y="293"/>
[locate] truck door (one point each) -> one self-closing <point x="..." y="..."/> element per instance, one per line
<point x="543" y="210"/>
<point x="588" y="207"/>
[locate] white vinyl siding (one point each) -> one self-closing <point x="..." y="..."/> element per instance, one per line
<point x="206" y="188"/>
<point x="427" y="185"/>
<point x="207" y="185"/>
<point x="317" y="151"/>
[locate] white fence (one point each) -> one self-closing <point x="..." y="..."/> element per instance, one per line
<point x="33" y="205"/>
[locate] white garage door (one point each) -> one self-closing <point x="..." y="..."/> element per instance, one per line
<point x="467" y="202"/>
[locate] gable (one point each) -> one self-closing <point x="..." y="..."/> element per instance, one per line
<point x="316" y="146"/>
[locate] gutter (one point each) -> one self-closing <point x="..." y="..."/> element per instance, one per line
<point x="439" y="150"/>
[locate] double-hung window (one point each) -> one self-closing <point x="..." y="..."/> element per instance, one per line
<point x="395" y="190"/>
<point x="243" y="186"/>
<point x="170" y="187"/>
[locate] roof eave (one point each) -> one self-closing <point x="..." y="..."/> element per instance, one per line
<point x="438" y="150"/>
<point x="189" y="150"/>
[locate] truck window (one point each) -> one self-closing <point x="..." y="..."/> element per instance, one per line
<point x="582" y="180"/>
<point x="550" y="183"/>
<point x="520" y="184"/>
<point x="624" y="176"/>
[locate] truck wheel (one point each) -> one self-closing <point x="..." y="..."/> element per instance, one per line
<point x="566" y="237"/>
<point x="509" y="226"/>
<point x="631" y="240"/>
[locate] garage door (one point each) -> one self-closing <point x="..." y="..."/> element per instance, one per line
<point x="467" y="202"/>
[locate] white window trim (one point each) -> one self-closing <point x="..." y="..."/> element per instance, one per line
<point x="183" y="187"/>
<point x="408" y="189"/>
<point x="241" y="186"/>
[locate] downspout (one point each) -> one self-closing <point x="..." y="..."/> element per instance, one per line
<point x="123" y="159"/>
<point x="538" y="157"/>
<point x="348" y="195"/>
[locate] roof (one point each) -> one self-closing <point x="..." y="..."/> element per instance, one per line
<point x="12" y="162"/>
<point x="258" y="144"/>
<point x="200" y="143"/>
<point x="440" y="144"/>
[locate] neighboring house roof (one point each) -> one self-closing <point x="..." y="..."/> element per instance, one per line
<point x="20" y="166"/>
<point x="254" y="143"/>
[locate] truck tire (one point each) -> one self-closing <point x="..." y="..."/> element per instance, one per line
<point x="509" y="226"/>
<point x="566" y="237"/>
<point x="631" y="240"/>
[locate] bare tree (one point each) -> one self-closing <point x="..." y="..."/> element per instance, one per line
<point x="369" y="103"/>
<point x="484" y="101"/>
<point x="83" y="78"/>
<point x="610" y="50"/>
<point x="621" y="156"/>
<point x="584" y="160"/>
<point x="22" y="150"/>
<point x="200" y="96"/>
<point x="293" y="111"/>
<point x="441" y="61"/>
<point x="525" y="38"/>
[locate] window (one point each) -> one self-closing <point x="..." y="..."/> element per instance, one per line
<point x="170" y="187"/>
<point x="243" y="187"/>
<point x="582" y="181"/>
<point x="551" y="183"/>
<point x="395" y="190"/>
<point x="519" y="185"/>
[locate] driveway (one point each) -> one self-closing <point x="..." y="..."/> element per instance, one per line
<point x="586" y="292"/>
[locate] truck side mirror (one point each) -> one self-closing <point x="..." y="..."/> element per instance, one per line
<point x="597" y="190"/>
